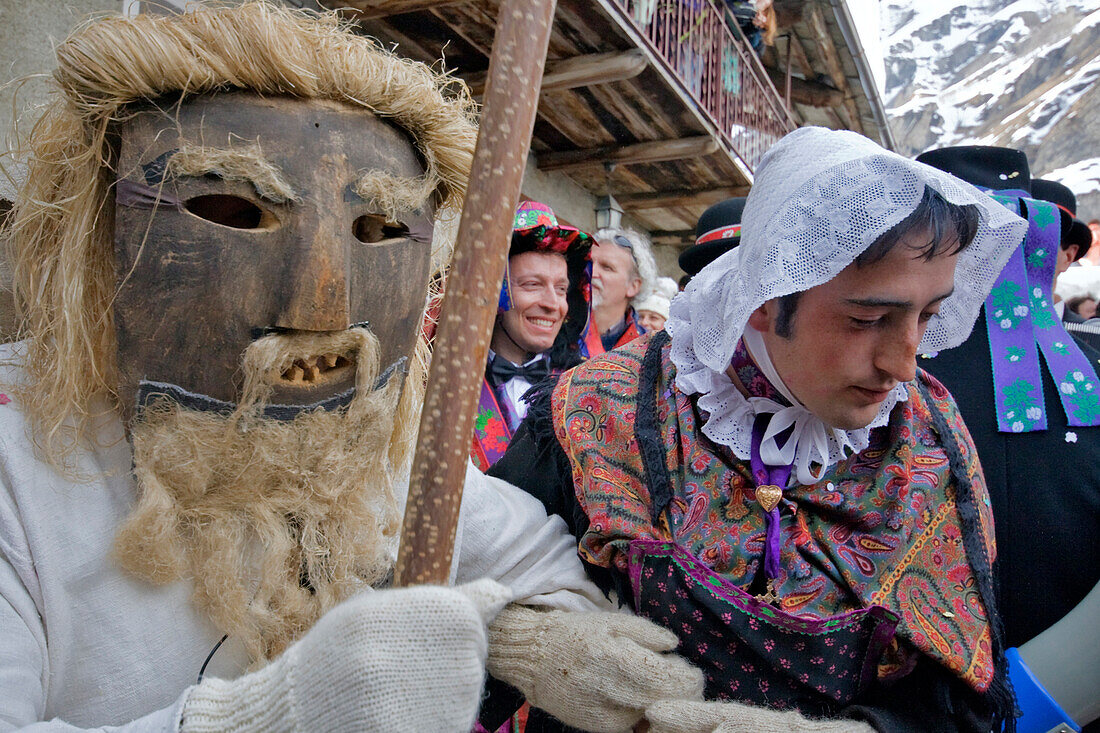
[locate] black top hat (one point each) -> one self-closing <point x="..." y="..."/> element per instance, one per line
<point x="1074" y="231"/>
<point x="718" y="231"/>
<point x="989" y="168"/>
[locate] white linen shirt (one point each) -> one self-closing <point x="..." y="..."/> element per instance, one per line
<point x="84" y="645"/>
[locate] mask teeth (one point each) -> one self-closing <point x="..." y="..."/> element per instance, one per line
<point x="309" y="369"/>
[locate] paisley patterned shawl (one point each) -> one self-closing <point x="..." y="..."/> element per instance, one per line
<point x="882" y="527"/>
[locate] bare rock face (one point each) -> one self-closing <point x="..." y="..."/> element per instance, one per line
<point x="1016" y="73"/>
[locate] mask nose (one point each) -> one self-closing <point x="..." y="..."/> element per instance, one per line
<point x="318" y="282"/>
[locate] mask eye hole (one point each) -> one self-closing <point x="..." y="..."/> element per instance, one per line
<point x="373" y="228"/>
<point x="230" y="211"/>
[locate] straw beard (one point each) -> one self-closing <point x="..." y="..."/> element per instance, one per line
<point x="275" y="521"/>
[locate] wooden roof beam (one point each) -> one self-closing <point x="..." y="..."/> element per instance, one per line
<point x="682" y="238"/>
<point x="787" y="12"/>
<point x="832" y="63"/>
<point x="580" y="71"/>
<point x="798" y="53"/>
<point x="650" y="152"/>
<point x="680" y="197"/>
<point x="367" y="9"/>
<point x="813" y="93"/>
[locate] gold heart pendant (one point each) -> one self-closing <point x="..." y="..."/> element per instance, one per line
<point x="768" y="496"/>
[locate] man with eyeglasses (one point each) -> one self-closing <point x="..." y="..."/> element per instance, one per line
<point x="623" y="269"/>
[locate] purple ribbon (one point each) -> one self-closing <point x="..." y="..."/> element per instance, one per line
<point x="1021" y="322"/>
<point x="764" y="475"/>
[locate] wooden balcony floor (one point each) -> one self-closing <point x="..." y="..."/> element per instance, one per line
<point x="655" y="105"/>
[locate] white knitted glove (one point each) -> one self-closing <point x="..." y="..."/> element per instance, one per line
<point x="689" y="716"/>
<point x="411" y="659"/>
<point x="594" y="671"/>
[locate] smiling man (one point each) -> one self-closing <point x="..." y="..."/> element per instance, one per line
<point x="543" y="309"/>
<point x="776" y="480"/>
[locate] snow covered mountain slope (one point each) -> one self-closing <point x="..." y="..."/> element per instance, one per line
<point x="1016" y="73"/>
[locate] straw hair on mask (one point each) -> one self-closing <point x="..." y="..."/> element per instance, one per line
<point x="246" y="163"/>
<point x="274" y="521"/>
<point x="60" y="235"/>
<point x="394" y="195"/>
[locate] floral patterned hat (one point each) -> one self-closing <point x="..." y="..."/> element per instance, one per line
<point x="536" y="229"/>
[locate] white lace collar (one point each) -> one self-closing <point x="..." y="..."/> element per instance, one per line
<point x="730" y="417"/>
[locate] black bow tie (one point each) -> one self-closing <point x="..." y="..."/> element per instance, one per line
<point x="502" y="370"/>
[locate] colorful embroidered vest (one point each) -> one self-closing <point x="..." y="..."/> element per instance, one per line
<point x="880" y="529"/>
<point x="491" y="431"/>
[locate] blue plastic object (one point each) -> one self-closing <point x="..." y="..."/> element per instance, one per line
<point x="1041" y="713"/>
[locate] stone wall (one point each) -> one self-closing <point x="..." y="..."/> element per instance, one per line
<point x="29" y="32"/>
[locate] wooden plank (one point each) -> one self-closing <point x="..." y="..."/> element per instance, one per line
<point x="580" y="71"/>
<point x="649" y="152"/>
<point x="798" y="53"/>
<point x="678" y="237"/>
<point x="832" y="63"/>
<point x="812" y="93"/>
<point x="406" y="45"/>
<point x="568" y="113"/>
<point x="646" y="107"/>
<point x="680" y="197"/>
<point x="688" y="217"/>
<point x="585" y="31"/>
<point x="366" y="9"/>
<point x="473" y="23"/>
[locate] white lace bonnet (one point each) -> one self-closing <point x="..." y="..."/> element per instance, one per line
<point x="820" y="198"/>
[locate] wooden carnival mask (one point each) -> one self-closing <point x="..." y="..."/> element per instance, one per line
<point x="238" y="216"/>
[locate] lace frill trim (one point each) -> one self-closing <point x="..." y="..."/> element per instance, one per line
<point x="730" y="415"/>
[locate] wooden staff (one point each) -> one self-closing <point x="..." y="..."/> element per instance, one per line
<point x="473" y="290"/>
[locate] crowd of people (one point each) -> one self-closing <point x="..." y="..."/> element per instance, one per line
<point x="845" y="480"/>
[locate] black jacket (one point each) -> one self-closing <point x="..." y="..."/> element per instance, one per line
<point x="1044" y="487"/>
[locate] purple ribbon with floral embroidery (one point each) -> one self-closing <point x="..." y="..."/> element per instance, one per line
<point x="765" y="475"/>
<point x="1020" y="316"/>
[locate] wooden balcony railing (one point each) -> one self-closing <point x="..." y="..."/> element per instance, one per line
<point x="697" y="41"/>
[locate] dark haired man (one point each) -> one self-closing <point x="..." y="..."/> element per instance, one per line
<point x="717" y="232"/>
<point x="1075" y="239"/>
<point x="1027" y="386"/>
<point x="1083" y="306"/>
<point x="777" y="481"/>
